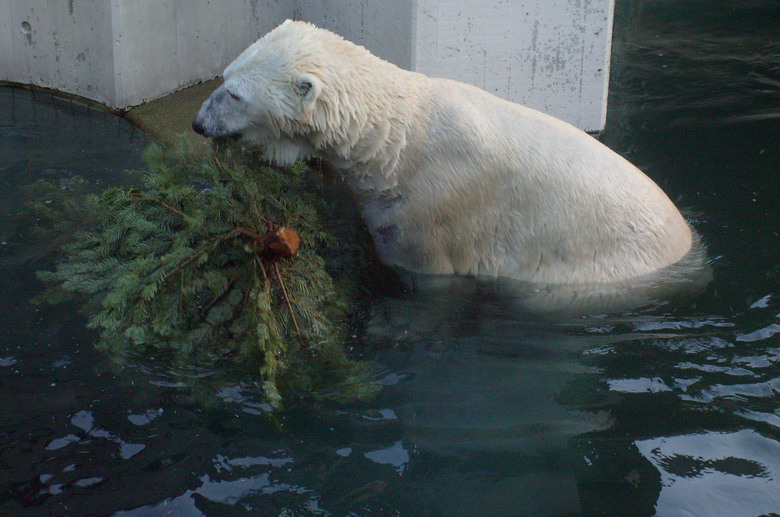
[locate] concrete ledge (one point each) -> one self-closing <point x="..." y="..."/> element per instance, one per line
<point x="169" y="119"/>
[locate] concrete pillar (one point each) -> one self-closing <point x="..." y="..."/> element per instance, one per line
<point x="551" y="55"/>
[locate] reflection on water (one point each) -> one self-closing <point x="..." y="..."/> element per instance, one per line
<point x="735" y="473"/>
<point x="485" y="408"/>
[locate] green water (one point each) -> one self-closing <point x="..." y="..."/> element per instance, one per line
<point x="668" y="410"/>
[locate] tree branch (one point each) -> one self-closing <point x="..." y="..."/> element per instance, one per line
<point x="141" y="197"/>
<point x="287" y="301"/>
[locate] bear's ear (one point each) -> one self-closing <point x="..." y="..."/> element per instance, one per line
<point x="308" y="87"/>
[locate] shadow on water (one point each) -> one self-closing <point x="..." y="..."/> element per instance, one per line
<point x="671" y="408"/>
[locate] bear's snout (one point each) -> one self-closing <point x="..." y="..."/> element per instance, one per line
<point x="210" y="120"/>
<point x="198" y="127"/>
<point x="205" y="127"/>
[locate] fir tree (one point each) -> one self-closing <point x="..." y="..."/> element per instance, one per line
<point x="202" y="261"/>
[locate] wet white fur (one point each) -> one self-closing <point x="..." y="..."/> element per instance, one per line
<point x="450" y="178"/>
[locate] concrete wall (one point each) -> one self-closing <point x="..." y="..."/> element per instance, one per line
<point x="383" y="27"/>
<point x="163" y="45"/>
<point x="65" y="45"/>
<point x="552" y="55"/>
<point x="124" y="52"/>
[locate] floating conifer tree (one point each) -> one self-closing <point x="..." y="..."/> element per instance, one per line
<point x="215" y="258"/>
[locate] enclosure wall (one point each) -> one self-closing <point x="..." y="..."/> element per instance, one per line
<point x="552" y="55"/>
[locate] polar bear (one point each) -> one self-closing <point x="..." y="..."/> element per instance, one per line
<point x="449" y="178"/>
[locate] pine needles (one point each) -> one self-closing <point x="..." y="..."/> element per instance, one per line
<point x="187" y="265"/>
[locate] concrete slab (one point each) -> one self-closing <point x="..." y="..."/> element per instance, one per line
<point x="169" y="119"/>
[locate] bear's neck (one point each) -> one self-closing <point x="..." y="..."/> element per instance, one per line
<point x="374" y="125"/>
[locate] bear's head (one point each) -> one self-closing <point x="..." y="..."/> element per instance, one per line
<point x="286" y="93"/>
<point x="300" y="91"/>
<point x="268" y="96"/>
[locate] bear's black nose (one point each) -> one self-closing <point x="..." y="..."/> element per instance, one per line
<point x="197" y="127"/>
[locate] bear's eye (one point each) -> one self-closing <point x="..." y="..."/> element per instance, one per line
<point x="303" y="86"/>
<point x="234" y="96"/>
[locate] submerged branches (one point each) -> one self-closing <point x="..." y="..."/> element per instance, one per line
<point x="182" y="265"/>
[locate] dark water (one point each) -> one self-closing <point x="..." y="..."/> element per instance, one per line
<point x="669" y="410"/>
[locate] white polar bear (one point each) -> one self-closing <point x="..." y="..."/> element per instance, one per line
<point x="449" y="178"/>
